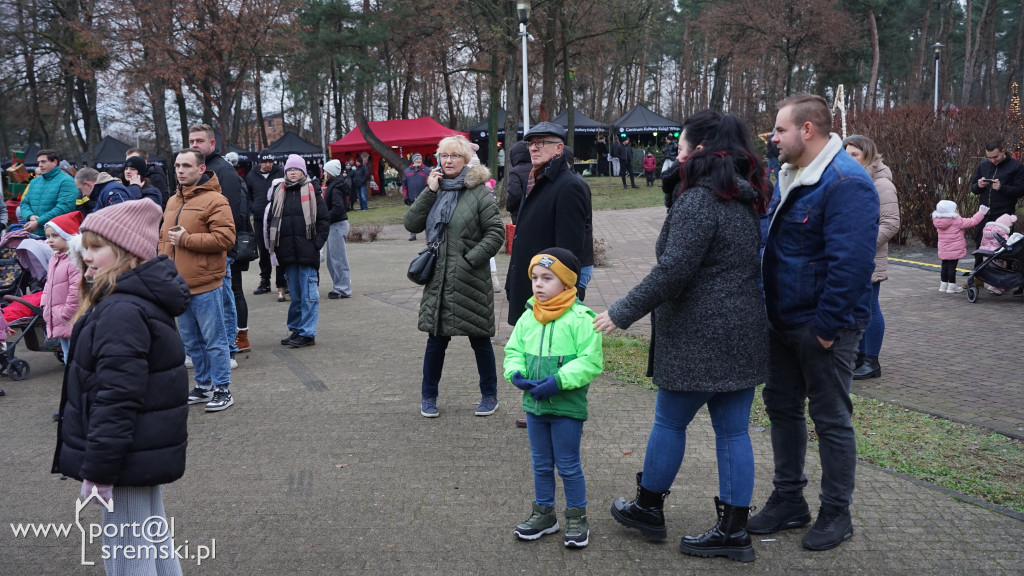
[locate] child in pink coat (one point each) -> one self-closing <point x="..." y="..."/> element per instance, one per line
<point x="1002" y="227"/>
<point x="60" y="295"/>
<point x="952" y="245"/>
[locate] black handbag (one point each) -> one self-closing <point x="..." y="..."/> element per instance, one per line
<point x="421" y="269"/>
<point x="245" y="247"/>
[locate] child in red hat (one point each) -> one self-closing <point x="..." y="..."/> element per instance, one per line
<point x="60" y="295"/>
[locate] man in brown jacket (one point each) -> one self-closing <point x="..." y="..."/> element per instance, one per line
<point x="197" y="232"/>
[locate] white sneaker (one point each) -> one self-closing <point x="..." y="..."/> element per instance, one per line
<point x="188" y="361"/>
<point x="943" y="286"/>
<point x="234" y="364"/>
<point x="953" y="288"/>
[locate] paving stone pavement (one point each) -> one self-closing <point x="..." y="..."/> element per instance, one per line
<point x="324" y="465"/>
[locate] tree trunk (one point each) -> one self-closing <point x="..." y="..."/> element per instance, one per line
<point x="157" y="89"/>
<point x="920" y="71"/>
<point x="875" y="57"/>
<point x="258" y="103"/>
<point x="179" y="98"/>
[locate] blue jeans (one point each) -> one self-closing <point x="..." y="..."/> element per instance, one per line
<point x="433" y="364"/>
<point x="65" y="345"/>
<point x="304" y="309"/>
<point x="202" y="333"/>
<point x="230" y="312"/>
<point x="362" y="197"/>
<point x="800" y="369"/>
<point x="555" y="441"/>
<point x="871" y="343"/>
<point x="730" y="417"/>
<point x="337" y="259"/>
<point x="586" y="273"/>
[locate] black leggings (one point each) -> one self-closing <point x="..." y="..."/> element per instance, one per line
<point x="949" y="270"/>
<point x="236" y="288"/>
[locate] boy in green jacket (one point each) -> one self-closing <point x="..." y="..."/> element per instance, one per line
<point x="552" y="356"/>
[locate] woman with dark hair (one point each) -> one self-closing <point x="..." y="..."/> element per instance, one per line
<point x="709" y="341"/>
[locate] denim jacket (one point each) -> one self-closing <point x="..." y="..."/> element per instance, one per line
<point x="820" y="249"/>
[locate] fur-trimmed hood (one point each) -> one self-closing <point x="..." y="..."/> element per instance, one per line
<point x="476" y="176"/>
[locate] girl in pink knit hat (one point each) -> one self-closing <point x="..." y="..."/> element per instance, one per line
<point x="124" y="403"/>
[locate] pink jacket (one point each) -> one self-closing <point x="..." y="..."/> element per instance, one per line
<point x="650" y="163"/>
<point x="952" y="245"/>
<point x="990" y="234"/>
<point x="60" y="295"/>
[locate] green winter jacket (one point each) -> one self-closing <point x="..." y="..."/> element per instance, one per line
<point x="459" y="299"/>
<point x="567" y="347"/>
<point x="48" y="196"/>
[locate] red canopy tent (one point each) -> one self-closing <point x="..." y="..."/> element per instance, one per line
<point x="405" y="136"/>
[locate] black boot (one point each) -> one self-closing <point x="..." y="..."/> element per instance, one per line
<point x="262" y="288"/>
<point x="870" y="369"/>
<point x="860" y="361"/>
<point x="728" y="537"/>
<point x="646" y="513"/>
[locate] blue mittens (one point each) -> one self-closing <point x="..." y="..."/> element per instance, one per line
<point x="522" y="383"/>
<point x="545" y="388"/>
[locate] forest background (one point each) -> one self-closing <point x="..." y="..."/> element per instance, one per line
<point x="76" y="70"/>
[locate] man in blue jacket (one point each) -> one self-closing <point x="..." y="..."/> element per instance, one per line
<point x="817" y="265"/>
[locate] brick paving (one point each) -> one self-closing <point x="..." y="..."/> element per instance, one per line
<point x="324" y="465"/>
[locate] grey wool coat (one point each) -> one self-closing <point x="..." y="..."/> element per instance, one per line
<point x="459" y="299"/>
<point x="709" y="327"/>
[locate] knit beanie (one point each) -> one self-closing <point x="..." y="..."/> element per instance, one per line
<point x="417" y="155"/>
<point x="333" y="167"/>
<point x="136" y="162"/>
<point x="133" y="225"/>
<point x="295" y="161"/>
<point x="945" y="209"/>
<point x="1006" y="222"/>
<point x="66" y="225"/>
<point x="560" y="261"/>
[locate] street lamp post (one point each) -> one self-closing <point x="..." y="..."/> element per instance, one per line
<point x="938" y="49"/>
<point x="523" y="8"/>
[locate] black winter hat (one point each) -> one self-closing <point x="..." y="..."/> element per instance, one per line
<point x="136" y="162"/>
<point x="266" y="156"/>
<point x="567" y="258"/>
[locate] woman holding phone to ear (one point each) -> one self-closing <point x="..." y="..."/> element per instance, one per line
<point x="457" y="210"/>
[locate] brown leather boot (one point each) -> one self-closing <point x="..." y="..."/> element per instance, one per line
<point x="242" y="340"/>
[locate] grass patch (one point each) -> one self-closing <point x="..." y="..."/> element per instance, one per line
<point x="968" y="459"/>
<point x="606" y="194"/>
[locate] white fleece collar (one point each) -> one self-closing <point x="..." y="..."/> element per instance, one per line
<point x="812" y="173"/>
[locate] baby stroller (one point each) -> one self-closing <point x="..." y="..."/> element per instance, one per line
<point x="23" y="263"/>
<point x="1010" y="277"/>
<point x="33" y="332"/>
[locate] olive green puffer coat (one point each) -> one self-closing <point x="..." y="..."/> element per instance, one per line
<point x="459" y="299"/>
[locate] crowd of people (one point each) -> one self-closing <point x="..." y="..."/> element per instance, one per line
<point x="745" y="291"/>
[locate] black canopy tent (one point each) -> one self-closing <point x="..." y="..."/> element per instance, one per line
<point x="585" y="131"/>
<point x="644" y="127"/>
<point x="110" y="154"/>
<point x="292" y="143"/>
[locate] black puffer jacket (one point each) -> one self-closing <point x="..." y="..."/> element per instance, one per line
<point x="124" y="402"/>
<point x="259" y="184"/>
<point x="555" y="214"/>
<point x="336" y="197"/>
<point x="157" y="177"/>
<point x="231" y="186"/>
<point x="518" y="175"/>
<point x="292" y="245"/>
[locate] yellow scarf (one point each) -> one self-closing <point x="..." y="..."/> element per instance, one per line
<point x="554" y="307"/>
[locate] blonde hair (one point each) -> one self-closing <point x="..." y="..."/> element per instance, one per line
<point x="103" y="284"/>
<point x="865" y="145"/>
<point x="459" y="143"/>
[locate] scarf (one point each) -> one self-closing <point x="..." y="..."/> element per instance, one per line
<point x="554" y="307"/>
<point x="277" y="208"/>
<point x="444" y="206"/>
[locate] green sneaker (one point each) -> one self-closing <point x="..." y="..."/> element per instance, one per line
<point x="542" y="521"/>
<point x="577" y="528"/>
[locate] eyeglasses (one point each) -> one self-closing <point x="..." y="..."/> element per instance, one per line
<point x="539" y="144"/>
<point x="446" y="157"/>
